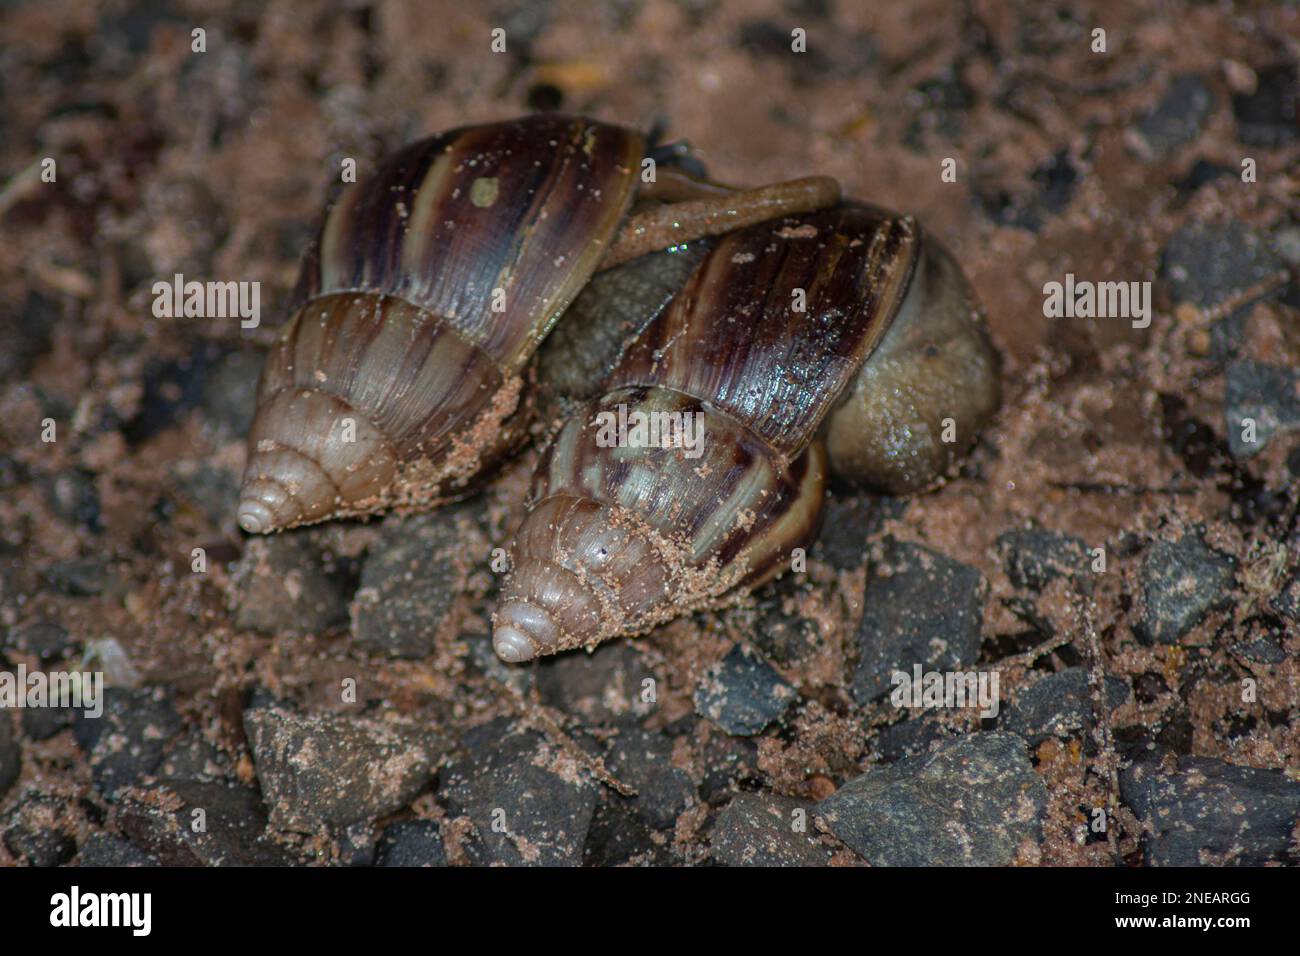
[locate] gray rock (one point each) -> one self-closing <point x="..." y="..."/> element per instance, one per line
<point x="908" y="738"/>
<point x="619" y="835"/>
<point x="1212" y="813"/>
<point x="164" y="821"/>
<point x="358" y="845"/>
<point x="37" y="832"/>
<point x="411" y="843"/>
<point x="1260" y="650"/>
<point x="759" y="830"/>
<point x="1182" y="581"/>
<point x="850" y="522"/>
<point x="41" y="846"/>
<point x="1207" y="264"/>
<point x="1059" y="705"/>
<point x="42" y="723"/>
<point x="325" y="772"/>
<point x="282" y="586"/>
<point x="643" y="759"/>
<point x="1287" y="601"/>
<point x="918" y="607"/>
<point x="408" y="582"/>
<point x="605" y="686"/>
<point x="1179" y="116"/>
<point x="11" y="754"/>
<point x="230" y="392"/>
<point x="730" y="763"/>
<point x="938" y="107"/>
<point x="972" y="802"/>
<point x="742" y="694"/>
<point x="784" y="638"/>
<point x="1049" y="191"/>
<point x="107" y="850"/>
<point x="1033" y="557"/>
<point x="529" y="802"/>
<point x="193" y="758"/>
<point x="28" y="336"/>
<point x="1269" y="395"/>
<point x="1267" y="116"/>
<point x="126" y="743"/>
<point x="48" y="640"/>
<point x="77" y="577"/>
<point x="172" y="388"/>
<point x="211" y="488"/>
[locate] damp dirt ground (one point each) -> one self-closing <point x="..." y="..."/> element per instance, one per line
<point x="215" y="164"/>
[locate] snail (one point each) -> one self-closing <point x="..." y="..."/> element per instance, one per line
<point x="397" y="380"/>
<point x="757" y="403"/>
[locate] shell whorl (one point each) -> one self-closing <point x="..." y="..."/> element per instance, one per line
<point x="621" y="539"/>
<point x="349" y="431"/>
<point x="426" y="292"/>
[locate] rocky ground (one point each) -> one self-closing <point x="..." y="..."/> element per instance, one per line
<point x="330" y="695"/>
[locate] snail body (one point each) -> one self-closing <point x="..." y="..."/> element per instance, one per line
<point x="621" y="535"/>
<point x="397" y="380"/>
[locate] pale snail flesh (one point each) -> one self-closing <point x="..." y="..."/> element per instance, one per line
<point x="891" y="342"/>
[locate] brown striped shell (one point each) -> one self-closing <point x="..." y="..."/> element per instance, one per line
<point x="396" y="378"/>
<point x="618" y="539"/>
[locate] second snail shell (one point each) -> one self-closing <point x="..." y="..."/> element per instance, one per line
<point x="889" y="344"/>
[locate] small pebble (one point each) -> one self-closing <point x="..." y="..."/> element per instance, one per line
<point x="1211" y="813"/>
<point x="229" y="395"/>
<point x="643" y="759"/>
<point x="35" y="833"/>
<point x="767" y="830"/>
<point x="529" y="801"/>
<point x="411" y="843"/>
<point x="973" y="802"/>
<point x="282" y="586"/>
<point x="611" y="684"/>
<point x="1267" y="396"/>
<point x="78" y="577"/>
<point x="325" y="772"/>
<point x="409" y="583"/>
<point x="191" y="823"/>
<point x="48" y="640"/>
<point x="1269" y="116"/>
<point x="619" y="835"/>
<point x="1178" y="118"/>
<point x="127" y="741"/>
<point x="1058" y="705"/>
<point x="1034" y="557"/>
<point x="784" y="638"/>
<point x="742" y="694"/>
<point x="919" y="607"/>
<point x="108" y="850"/>
<point x="1182" y="581"/>
<point x="1287" y="600"/>
<point x="11" y="754"/>
<point x="1206" y="264"/>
